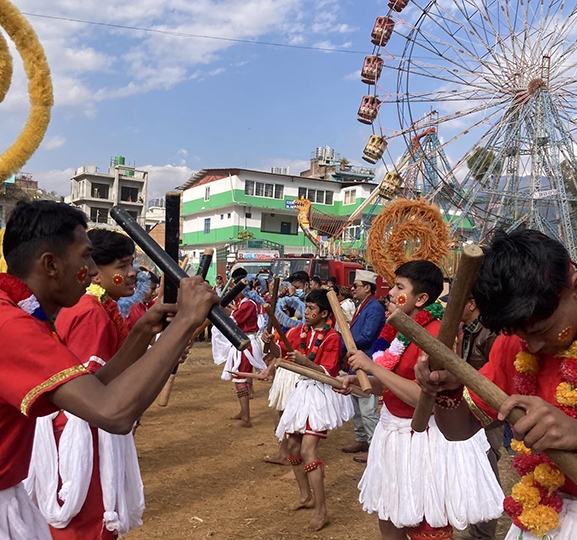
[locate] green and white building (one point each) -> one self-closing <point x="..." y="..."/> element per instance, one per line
<point x="218" y="204"/>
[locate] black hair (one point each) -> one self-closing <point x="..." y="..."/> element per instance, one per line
<point x="299" y="275"/>
<point x="35" y="227"/>
<point x="317" y="280"/>
<point x="333" y="279"/>
<point x="109" y="246"/>
<point x="520" y="280"/>
<point x="290" y="311"/>
<point x="238" y="274"/>
<point x="424" y="276"/>
<point x="320" y="298"/>
<point x="371" y="286"/>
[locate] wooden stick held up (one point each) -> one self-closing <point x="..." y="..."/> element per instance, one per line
<point x="347" y="337"/>
<point x="273" y="301"/>
<point x="462" y="285"/>
<point x="317" y="376"/>
<point x="278" y="327"/>
<point x="489" y="392"/>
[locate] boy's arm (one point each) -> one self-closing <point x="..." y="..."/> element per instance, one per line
<point x="403" y="388"/>
<point x="116" y="406"/>
<point x="137" y="342"/>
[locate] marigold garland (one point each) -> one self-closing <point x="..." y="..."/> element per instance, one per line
<point x="39" y="89"/>
<point x="534" y="503"/>
<point x="5" y="68"/>
<point x="318" y="341"/>
<point x="405" y="223"/>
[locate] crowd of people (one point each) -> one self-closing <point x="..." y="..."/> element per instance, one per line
<point x="86" y="351"/>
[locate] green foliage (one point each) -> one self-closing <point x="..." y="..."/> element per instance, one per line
<point x="245" y="235"/>
<point x="481" y="161"/>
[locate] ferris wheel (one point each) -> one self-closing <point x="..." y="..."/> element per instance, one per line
<point x="496" y="81"/>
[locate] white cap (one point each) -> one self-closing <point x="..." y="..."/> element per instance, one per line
<point x="366" y="275"/>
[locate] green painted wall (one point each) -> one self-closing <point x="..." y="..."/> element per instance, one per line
<point x="226" y="234"/>
<point x="237" y="197"/>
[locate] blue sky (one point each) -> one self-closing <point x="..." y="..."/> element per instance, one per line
<point x="174" y="105"/>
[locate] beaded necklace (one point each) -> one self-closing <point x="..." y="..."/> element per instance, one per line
<point x="535" y="503"/>
<point x="304" y="339"/>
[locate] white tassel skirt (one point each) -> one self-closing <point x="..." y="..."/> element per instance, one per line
<point x="415" y="476"/>
<point x="283" y="386"/>
<point x="315" y="405"/>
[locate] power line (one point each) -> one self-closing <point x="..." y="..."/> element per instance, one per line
<point x="198" y="36"/>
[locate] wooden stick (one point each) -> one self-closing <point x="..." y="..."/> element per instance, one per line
<point x="278" y="327"/>
<point x="347" y="337"/>
<point x="273" y="301"/>
<point x="489" y="392"/>
<point x="462" y="285"/>
<point x="318" y="376"/>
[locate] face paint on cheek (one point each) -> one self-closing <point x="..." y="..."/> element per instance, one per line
<point x="82" y="274"/>
<point x="564" y="334"/>
<point x="117" y="279"/>
<point x="313" y="316"/>
<point x="402" y="299"/>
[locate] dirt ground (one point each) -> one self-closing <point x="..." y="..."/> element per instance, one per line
<point x="204" y="477"/>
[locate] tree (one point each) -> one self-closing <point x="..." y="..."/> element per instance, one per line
<point x="245" y="235"/>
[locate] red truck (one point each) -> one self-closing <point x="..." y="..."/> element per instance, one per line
<point x="344" y="271"/>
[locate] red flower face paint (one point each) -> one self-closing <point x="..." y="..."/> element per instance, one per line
<point x="313" y="315"/>
<point x="117" y="279"/>
<point x="82" y="274"/>
<point x="402" y="299"/>
<point x="564" y="334"/>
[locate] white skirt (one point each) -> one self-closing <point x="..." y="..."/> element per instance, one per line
<point x="282" y="388"/>
<point x="220" y="346"/>
<point x="567" y="529"/>
<point x="19" y="518"/>
<point x="254" y="354"/>
<point x="415" y="476"/>
<point x="317" y="404"/>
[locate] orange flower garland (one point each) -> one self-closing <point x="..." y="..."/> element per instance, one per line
<point x="535" y="503"/>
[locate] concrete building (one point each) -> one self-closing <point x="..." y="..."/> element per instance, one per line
<point x="222" y="205"/>
<point x="95" y="192"/>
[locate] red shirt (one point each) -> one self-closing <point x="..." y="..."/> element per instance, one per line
<point x="406" y="369"/>
<point x="87" y="331"/>
<point x="136" y="311"/>
<point x="329" y="350"/>
<point x="500" y="369"/>
<point x="246" y="316"/>
<point x="32" y="364"/>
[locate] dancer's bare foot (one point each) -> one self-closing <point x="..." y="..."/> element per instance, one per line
<point x="237" y="416"/>
<point x="307" y="503"/>
<point x="276" y="460"/>
<point x="318" y="522"/>
<point x="245" y="423"/>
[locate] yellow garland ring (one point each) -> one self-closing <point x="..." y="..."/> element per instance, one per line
<point x="5" y="68"/>
<point x="406" y="230"/>
<point x="39" y="89"/>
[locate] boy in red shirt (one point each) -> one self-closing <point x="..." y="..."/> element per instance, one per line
<point x="417" y="483"/>
<point x="313" y="408"/>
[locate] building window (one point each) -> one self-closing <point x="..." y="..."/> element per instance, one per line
<point x="302" y="193"/>
<point x="321" y="196"/>
<point x="278" y="191"/>
<point x="259" y="189"/>
<point x="329" y="197"/>
<point x="207" y="193"/>
<point x="228" y="216"/>
<point x="128" y="194"/>
<point x="312" y="195"/>
<point x="269" y="190"/>
<point x="350" y="234"/>
<point x="207" y="225"/>
<point x="350" y="196"/>
<point x="221" y="216"/>
<point x="249" y="187"/>
<point x="262" y="189"/>
<point x="99" y="215"/>
<point x="99" y="191"/>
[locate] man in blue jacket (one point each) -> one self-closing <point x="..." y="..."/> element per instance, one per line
<point x="366" y="325"/>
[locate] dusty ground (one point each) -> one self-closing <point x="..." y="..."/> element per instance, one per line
<point x="205" y="478"/>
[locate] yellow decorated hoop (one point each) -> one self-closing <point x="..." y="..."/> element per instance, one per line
<point x="39" y="87"/>
<point x="406" y="230"/>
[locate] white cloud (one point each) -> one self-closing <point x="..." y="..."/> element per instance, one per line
<point x="57" y="180"/>
<point x="51" y="143"/>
